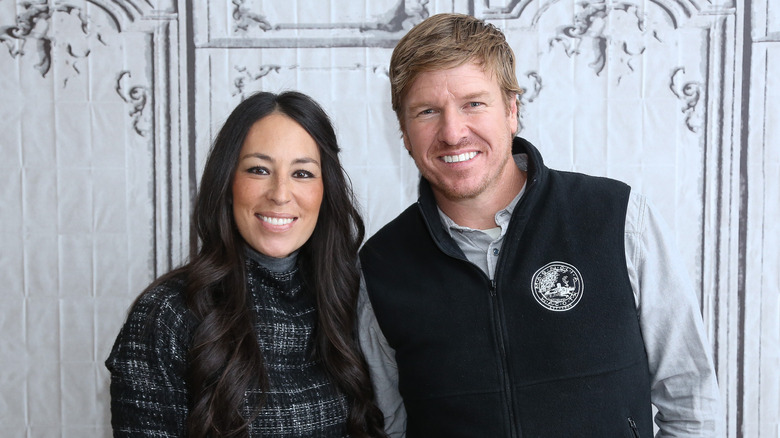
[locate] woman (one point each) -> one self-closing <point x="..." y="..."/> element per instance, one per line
<point x="255" y="335"/>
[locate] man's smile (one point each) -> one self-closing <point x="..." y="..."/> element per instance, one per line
<point x="459" y="158"/>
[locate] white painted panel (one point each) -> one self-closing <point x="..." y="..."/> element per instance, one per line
<point x="103" y="128"/>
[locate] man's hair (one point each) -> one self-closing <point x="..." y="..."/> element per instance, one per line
<point x="446" y="41"/>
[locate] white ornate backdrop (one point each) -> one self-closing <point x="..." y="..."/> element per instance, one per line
<point x="107" y="109"/>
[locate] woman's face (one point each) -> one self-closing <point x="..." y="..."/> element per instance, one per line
<point x="277" y="188"/>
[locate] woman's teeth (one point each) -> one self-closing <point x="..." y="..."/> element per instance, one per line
<point x="276" y="220"/>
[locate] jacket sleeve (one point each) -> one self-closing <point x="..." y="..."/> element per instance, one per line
<point x="147" y="366"/>
<point x="382" y="366"/>
<point x="683" y="380"/>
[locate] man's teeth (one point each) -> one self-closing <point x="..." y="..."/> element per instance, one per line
<point x="458" y="158"/>
<point x="276" y="220"/>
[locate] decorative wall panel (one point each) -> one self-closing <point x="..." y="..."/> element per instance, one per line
<point x="90" y="136"/>
<point x="108" y="109"/>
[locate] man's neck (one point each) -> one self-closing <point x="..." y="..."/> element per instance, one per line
<point x="480" y="212"/>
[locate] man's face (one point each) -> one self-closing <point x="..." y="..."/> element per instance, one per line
<point x="459" y="131"/>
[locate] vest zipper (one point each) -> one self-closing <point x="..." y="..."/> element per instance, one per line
<point x="634" y="429"/>
<point x="498" y="327"/>
<point x="498" y="321"/>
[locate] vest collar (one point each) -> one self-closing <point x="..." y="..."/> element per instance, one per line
<point x="537" y="172"/>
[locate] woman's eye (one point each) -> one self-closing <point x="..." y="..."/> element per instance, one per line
<point x="303" y="174"/>
<point x="258" y="170"/>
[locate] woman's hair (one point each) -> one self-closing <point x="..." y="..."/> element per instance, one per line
<point x="446" y="41"/>
<point x="225" y="358"/>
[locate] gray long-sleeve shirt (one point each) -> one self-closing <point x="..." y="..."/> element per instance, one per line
<point x="683" y="383"/>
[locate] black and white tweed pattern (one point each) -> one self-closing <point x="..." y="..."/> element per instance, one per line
<point x="148" y="362"/>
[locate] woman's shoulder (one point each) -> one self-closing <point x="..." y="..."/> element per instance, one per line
<point x="159" y="321"/>
<point x="163" y="297"/>
<point x="164" y="302"/>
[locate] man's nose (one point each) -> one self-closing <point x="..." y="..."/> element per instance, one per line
<point x="453" y="127"/>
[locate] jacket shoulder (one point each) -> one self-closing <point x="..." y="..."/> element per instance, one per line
<point x="402" y="225"/>
<point x="582" y="190"/>
<point x="158" y="321"/>
<point x="396" y="242"/>
<point x="577" y="182"/>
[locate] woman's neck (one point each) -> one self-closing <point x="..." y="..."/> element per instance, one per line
<point x="273" y="264"/>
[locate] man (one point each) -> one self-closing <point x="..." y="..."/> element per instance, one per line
<point x="513" y="300"/>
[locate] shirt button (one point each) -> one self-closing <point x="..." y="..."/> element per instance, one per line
<point x="495" y="251"/>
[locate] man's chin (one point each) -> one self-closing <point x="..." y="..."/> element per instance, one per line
<point x="457" y="192"/>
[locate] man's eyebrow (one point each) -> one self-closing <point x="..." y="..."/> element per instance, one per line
<point x="475" y="95"/>
<point x="470" y="96"/>
<point x="418" y="104"/>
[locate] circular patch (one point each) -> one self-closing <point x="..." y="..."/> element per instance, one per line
<point x="557" y="286"/>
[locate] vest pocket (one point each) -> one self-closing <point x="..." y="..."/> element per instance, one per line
<point x="632" y="425"/>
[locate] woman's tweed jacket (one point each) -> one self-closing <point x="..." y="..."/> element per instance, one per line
<point x="148" y="363"/>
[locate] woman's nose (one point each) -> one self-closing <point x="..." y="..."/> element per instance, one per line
<point x="280" y="190"/>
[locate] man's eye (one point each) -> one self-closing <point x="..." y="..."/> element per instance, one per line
<point x="475" y="104"/>
<point x="426" y="112"/>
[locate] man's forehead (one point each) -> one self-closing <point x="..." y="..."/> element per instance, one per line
<point x="440" y="85"/>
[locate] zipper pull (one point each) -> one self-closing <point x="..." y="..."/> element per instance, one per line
<point x="634" y="429"/>
<point x="492" y="288"/>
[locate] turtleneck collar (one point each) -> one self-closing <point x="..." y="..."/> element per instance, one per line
<point x="273" y="264"/>
<point x="271" y="275"/>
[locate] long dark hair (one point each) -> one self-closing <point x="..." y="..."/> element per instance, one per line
<point x="225" y="358"/>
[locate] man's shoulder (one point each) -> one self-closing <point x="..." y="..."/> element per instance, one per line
<point x="585" y="177"/>
<point x="398" y="226"/>
<point x="399" y="236"/>
<point x="586" y="184"/>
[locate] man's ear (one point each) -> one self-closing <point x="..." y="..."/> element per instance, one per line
<point x="512" y="112"/>
<point x="407" y="145"/>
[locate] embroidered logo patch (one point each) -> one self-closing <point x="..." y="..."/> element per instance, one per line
<point x="557" y="286"/>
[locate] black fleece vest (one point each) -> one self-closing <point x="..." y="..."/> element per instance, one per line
<point x="551" y="348"/>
